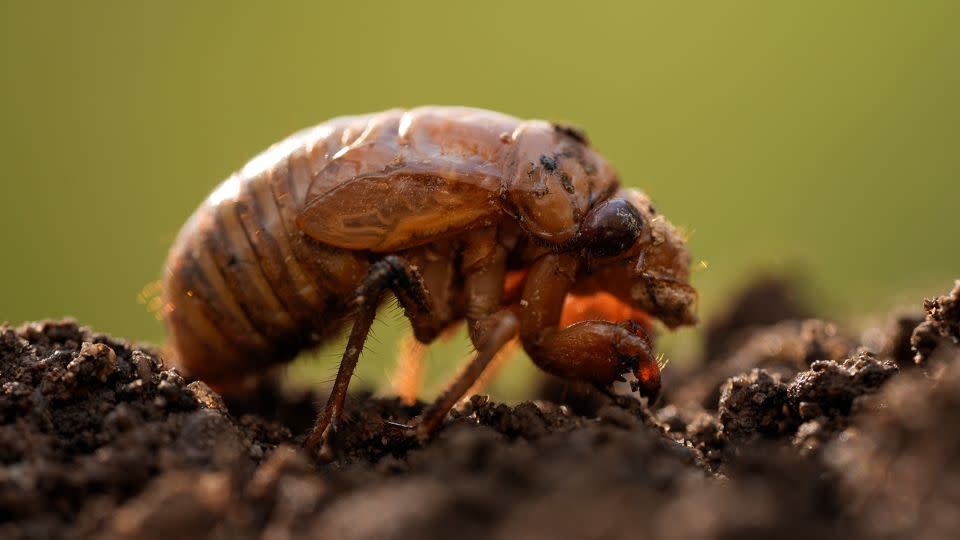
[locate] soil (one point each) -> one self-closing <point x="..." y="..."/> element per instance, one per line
<point x="788" y="428"/>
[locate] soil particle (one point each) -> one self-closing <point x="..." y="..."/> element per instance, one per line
<point x="704" y="433"/>
<point x="892" y="340"/>
<point x="828" y="388"/>
<point x="941" y="326"/>
<point x="755" y="405"/>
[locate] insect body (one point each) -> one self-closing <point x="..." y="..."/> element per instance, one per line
<point x="442" y="207"/>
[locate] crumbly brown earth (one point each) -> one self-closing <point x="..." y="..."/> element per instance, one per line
<point x="790" y="428"/>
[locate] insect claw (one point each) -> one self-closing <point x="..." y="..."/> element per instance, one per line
<point x="662" y="361"/>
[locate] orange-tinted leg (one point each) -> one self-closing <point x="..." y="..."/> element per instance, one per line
<point x="602" y="306"/>
<point x="502" y="329"/>
<point x="483" y="267"/>
<point x="409" y="371"/>
<point x="500" y="360"/>
<point x="438" y="271"/>
<point x="408" y="374"/>
<point x="596" y="351"/>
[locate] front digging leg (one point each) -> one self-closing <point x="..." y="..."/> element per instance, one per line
<point x="598" y="352"/>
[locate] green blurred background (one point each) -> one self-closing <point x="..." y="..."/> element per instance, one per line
<point x="818" y="137"/>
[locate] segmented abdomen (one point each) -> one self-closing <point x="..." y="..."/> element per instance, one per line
<point x="244" y="288"/>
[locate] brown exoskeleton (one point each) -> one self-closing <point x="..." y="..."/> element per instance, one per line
<point x="441" y="206"/>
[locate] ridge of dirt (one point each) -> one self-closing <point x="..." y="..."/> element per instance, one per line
<point x="941" y="325"/>
<point x="792" y="430"/>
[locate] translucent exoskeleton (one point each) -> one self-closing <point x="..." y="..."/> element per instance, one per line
<point x="519" y="228"/>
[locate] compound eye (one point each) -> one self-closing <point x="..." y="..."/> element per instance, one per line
<point x="611" y="227"/>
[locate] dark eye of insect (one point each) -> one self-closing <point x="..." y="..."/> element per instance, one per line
<point x="611" y="227"/>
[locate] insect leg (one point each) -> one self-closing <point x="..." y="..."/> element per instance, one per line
<point x="483" y="267"/>
<point x="392" y="273"/>
<point x="436" y="266"/>
<point x="602" y="306"/>
<point x="437" y="269"/>
<point x="408" y="374"/>
<point x="595" y="351"/>
<point x="497" y="364"/>
<point x="503" y="328"/>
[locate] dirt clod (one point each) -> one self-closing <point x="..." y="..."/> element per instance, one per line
<point x="828" y="388"/>
<point x="942" y="325"/>
<point x="754" y="405"/>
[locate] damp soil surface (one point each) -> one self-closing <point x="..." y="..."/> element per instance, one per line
<point x="789" y="427"/>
